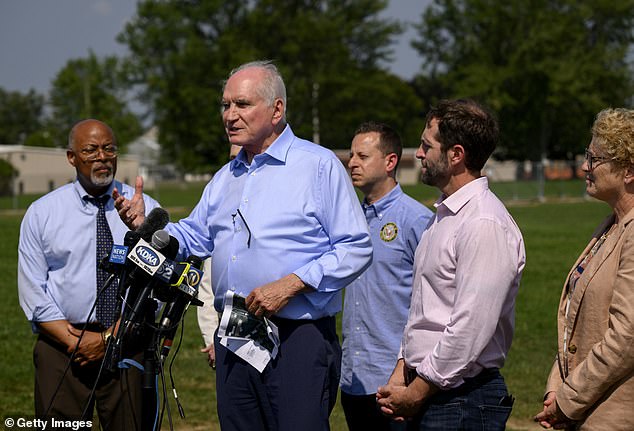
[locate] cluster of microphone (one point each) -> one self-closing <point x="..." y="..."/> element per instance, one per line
<point x="148" y="274"/>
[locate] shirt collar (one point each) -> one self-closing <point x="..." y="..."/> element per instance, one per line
<point x="278" y="150"/>
<point x="385" y="202"/>
<point x="463" y="195"/>
<point x="83" y="194"/>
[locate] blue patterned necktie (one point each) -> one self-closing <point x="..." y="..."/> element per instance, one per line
<point x="106" y="301"/>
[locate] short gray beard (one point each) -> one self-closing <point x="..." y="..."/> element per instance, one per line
<point x="101" y="181"/>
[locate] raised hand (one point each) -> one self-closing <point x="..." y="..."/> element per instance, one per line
<point x="131" y="211"/>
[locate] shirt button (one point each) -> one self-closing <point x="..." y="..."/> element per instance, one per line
<point x="356" y="353"/>
<point x="356" y="303"/>
<point x="238" y="228"/>
<point x="246" y="200"/>
<point x="233" y="258"/>
<point x="358" y="328"/>
<point x="572" y="349"/>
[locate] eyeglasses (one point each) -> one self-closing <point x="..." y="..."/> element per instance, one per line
<point x="90" y="154"/>
<point x="238" y="212"/>
<point x="594" y="161"/>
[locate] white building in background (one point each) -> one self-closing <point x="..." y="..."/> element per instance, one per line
<point x="147" y="148"/>
<point x="41" y="169"/>
<point x="148" y="151"/>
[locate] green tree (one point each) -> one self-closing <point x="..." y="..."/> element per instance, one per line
<point x="7" y="174"/>
<point x="20" y="116"/>
<point x="545" y="66"/>
<point x="92" y="88"/>
<point x="328" y="51"/>
<point x="178" y="62"/>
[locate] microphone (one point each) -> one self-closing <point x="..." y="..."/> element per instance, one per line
<point x="110" y="262"/>
<point x="145" y="260"/>
<point x="148" y="259"/>
<point x="130" y="239"/>
<point x="187" y="290"/>
<point x="157" y="219"/>
<point x="116" y="264"/>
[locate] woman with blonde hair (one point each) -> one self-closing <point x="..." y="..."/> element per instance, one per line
<point x="590" y="386"/>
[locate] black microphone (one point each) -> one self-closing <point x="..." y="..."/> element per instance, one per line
<point x="115" y="262"/>
<point x="145" y="260"/>
<point x="157" y="219"/>
<point x="170" y="251"/>
<point x="186" y="293"/>
<point x="149" y="259"/>
<point x="168" y="273"/>
<point x="130" y="239"/>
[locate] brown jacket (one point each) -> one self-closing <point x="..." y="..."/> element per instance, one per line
<point x="598" y="391"/>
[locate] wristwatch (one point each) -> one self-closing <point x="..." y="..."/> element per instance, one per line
<point x="106" y="335"/>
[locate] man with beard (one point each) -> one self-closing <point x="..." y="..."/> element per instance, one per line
<point x="467" y="270"/>
<point x="62" y="237"/>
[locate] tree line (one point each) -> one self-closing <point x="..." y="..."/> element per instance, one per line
<point x="545" y="67"/>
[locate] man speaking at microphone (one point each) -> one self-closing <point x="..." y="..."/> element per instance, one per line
<point x="63" y="236"/>
<point x="285" y="230"/>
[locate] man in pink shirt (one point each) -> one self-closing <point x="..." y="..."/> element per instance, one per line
<point x="467" y="271"/>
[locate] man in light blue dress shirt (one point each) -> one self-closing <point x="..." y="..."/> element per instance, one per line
<point x="377" y="302"/>
<point x="285" y="230"/>
<point x="57" y="287"/>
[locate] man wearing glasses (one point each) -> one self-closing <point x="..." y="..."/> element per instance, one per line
<point x="285" y="230"/>
<point x="62" y="238"/>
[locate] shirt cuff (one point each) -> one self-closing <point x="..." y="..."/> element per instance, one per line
<point x="311" y="274"/>
<point x="428" y="373"/>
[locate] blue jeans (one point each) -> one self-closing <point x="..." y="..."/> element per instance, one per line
<point x="482" y="403"/>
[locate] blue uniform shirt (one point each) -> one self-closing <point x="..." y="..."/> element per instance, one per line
<point x="377" y="302"/>
<point x="292" y="210"/>
<point x="57" y="253"/>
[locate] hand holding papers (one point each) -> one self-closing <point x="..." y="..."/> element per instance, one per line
<point x="254" y="339"/>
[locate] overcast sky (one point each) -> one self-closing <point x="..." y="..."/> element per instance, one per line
<point x="38" y="37"/>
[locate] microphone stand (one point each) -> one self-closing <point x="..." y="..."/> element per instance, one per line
<point x="149" y="390"/>
<point x="139" y="328"/>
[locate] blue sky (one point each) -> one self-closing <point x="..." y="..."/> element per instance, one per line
<point x="38" y="37"/>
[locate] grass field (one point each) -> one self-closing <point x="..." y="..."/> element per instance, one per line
<point x="554" y="232"/>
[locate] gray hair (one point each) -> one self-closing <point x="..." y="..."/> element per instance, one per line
<point x="273" y="85"/>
